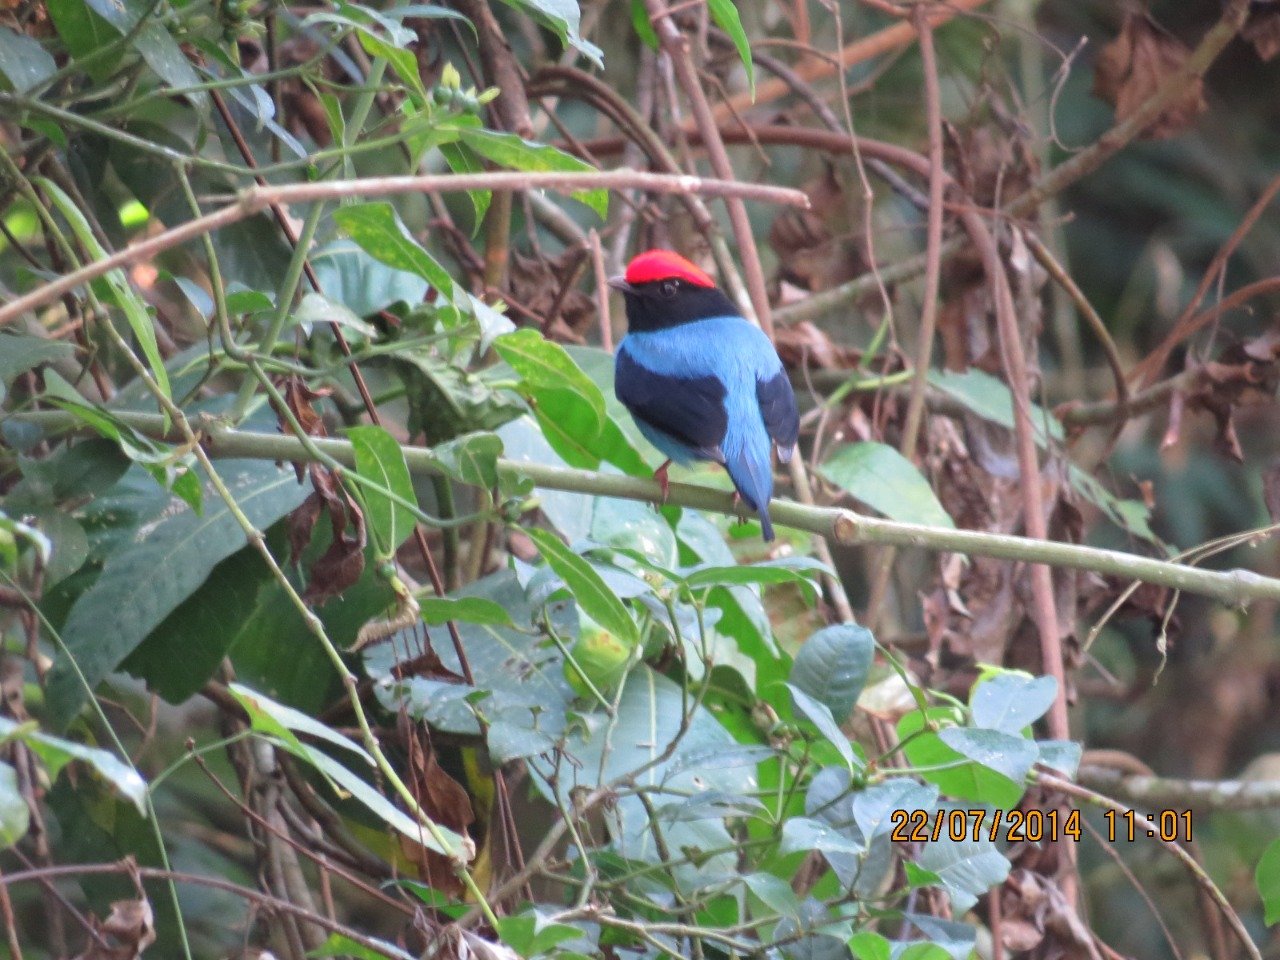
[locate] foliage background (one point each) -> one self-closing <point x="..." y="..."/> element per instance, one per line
<point x="169" y="698"/>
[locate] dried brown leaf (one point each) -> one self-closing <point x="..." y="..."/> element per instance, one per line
<point x="124" y="935"/>
<point x="443" y="799"/>
<point x="1263" y="31"/>
<point x="1136" y="65"/>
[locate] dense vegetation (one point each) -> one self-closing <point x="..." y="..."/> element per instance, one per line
<point x="341" y="615"/>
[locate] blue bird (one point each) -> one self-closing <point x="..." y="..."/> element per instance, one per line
<point x="701" y="381"/>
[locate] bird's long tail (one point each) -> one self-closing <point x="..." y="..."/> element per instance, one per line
<point x="754" y="480"/>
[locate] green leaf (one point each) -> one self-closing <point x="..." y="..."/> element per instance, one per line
<point x="866" y="945"/>
<point x="471" y="458"/>
<point x="340" y="945"/>
<point x="148" y="575"/>
<point x="643" y="26"/>
<point x="587" y="587"/>
<point x="819" y="714"/>
<point x="807" y="833"/>
<point x="439" y="610"/>
<point x="281" y="723"/>
<point x="378" y="229"/>
<point x="135" y="311"/>
<point x="545" y="369"/>
<point x="163" y="55"/>
<point x="799" y="570"/>
<point x="83" y="31"/>
<point x="886" y="481"/>
<point x="832" y="666"/>
<point x="530" y="934"/>
<point x="402" y="61"/>
<point x="967" y="868"/>
<point x="564" y="18"/>
<point x="316" y="309"/>
<point x="1267" y="876"/>
<point x="23" y="60"/>
<point x="15" y="815"/>
<point x="991" y="399"/>
<point x="56" y="753"/>
<point x="1009" y="702"/>
<point x="725" y="14"/>
<point x="380" y="459"/>
<point x="509" y="150"/>
<point x="462" y="159"/>
<point x="952" y="772"/>
<point x="1009" y="755"/>
<point x="365" y="285"/>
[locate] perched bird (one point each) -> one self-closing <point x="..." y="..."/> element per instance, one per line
<point x="701" y="381"/>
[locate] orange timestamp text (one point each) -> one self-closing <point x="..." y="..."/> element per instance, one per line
<point x="1015" y="826"/>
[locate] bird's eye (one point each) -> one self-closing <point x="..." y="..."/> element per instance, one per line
<point x="669" y="289"/>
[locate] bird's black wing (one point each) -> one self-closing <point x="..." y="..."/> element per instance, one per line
<point x="690" y="410"/>
<point x="778" y="405"/>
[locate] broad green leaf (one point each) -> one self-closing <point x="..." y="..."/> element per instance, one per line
<point x="471" y="458"/>
<point x="180" y="655"/>
<point x="819" y="714"/>
<point x="874" y="806"/>
<point x="530" y="934"/>
<point x="377" y="228"/>
<point x="725" y="14"/>
<point x="1009" y="702"/>
<point x="954" y="773"/>
<point x="587" y="587"/>
<point x="643" y="26"/>
<point x="867" y="945"/>
<point x="1061" y="755"/>
<point x="967" y="868"/>
<point x="364" y="284"/>
<point x="22" y="352"/>
<point x="402" y="60"/>
<point x="15" y="815"/>
<point x="800" y="570"/>
<point x="564" y="18"/>
<point x="545" y="366"/>
<point x="380" y="459"/>
<point x="56" y="753"/>
<point x="886" y="481"/>
<point x="509" y="150"/>
<point x="807" y="833"/>
<point x="145" y="577"/>
<point x="438" y="610"/>
<point x="135" y="311"/>
<point x="316" y="308"/>
<point x="1267" y="876"/>
<point x="163" y="55"/>
<point x="991" y="399"/>
<point x="23" y="60"/>
<point x="832" y="666"/>
<point x="1009" y="755"/>
<point x="83" y="31"/>
<point x="283" y="722"/>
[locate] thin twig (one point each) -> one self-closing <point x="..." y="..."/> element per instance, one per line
<point x="256" y="199"/>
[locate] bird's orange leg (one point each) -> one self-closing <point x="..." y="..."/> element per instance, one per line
<point x="661" y="476"/>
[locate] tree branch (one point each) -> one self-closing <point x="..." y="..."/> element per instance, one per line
<point x="842" y="526"/>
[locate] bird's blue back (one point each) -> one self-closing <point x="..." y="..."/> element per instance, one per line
<point x="739" y="355"/>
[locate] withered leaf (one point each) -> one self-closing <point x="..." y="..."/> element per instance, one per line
<point x="1263" y="31"/>
<point x="128" y="931"/>
<point x="1136" y="65"/>
<point x="443" y="799"/>
<point x="339" y="566"/>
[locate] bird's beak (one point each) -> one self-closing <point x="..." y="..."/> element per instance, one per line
<point x="620" y="284"/>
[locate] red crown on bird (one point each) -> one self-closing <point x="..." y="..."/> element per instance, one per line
<point x="665" y="265"/>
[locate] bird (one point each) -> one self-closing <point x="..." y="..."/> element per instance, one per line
<point x="700" y="380"/>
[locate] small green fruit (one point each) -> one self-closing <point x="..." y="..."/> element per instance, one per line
<point x="601" y="656"/>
